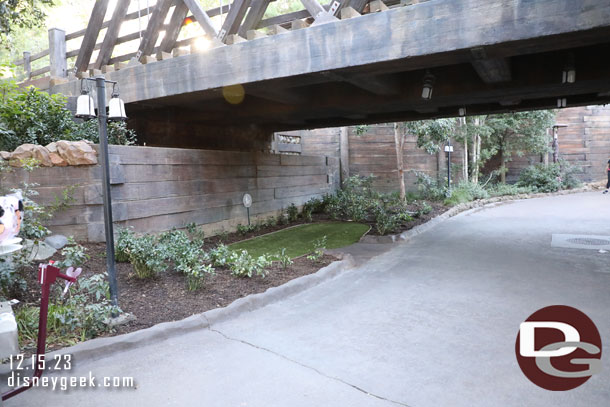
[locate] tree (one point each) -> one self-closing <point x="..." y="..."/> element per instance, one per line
<point x="400" y="134"/>
<point x="20" y="14"/>
<point x="518" y="133"/>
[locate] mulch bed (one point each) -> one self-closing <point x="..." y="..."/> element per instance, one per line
<point x="166" y="298"/>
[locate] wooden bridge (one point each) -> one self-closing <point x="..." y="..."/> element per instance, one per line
<point x="347" y="62"/>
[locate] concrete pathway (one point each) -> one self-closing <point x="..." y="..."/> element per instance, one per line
<point x="432" y="323"/>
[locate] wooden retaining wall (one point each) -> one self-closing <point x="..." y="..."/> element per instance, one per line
<point x="156" y="189"/>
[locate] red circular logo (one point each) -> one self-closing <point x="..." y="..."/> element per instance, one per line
<point x="558" y="348"/>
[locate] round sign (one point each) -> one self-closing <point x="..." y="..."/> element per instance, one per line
<point x="247" y="200"/>
<point x="558" y="348"/>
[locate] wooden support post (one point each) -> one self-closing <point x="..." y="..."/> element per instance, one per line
<point x="149" y="40"/>
<point x="234" y="18"/>
<point x="253" y="35"/>
<point x="27" y="65"/>
<point x="173" y="28"/>
<point x="358" y="5"/>
<point x="202" y="17"/>
<point x="255" y="15"/>
<point x="234" y="39"/>
<point x="277" y="29"/>
<point x="317" y="11"/>
<point x="118" y="16"/>
<point x="90" y="39"/>
<point x="344" y="151"/>
<point x="377" y="6"/>
<point x="57" y="53"/>
<point x="348" y="12"/>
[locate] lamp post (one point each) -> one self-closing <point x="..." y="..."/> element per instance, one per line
<point x="555" y="145"/>
<point x="84" y="110"/>
<point x="449" y="150"/>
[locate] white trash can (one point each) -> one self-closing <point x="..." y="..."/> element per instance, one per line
<point x="9" y="344"/>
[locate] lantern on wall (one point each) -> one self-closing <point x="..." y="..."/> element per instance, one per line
<point x="429" y="79"/>
<point x="85" y="107"/>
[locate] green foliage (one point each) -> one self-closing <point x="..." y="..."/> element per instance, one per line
<point x="508" y="189"/>
<point x="465" y="192"/>
<point x="429" y="187"/>
<point x="549" y="178"/>
<point x="245" y="229"/>
<point x="125" y="241"/>
<point x="147" y="257"/>
<point x="188" y="256"/>
<point x="74" y="255"/>
<point x="431" y="134"/>
<point x="29" y="115"/>
<point x="244" y="265"/>
<point x="81" y="315"/>
<point x="293" y="213"/>
<point x="21" y="14"/>
<point x="12" y="281"/>
<point x="220" y="256"/>
<point x="283" y="259"/>
<point x="319" y="247"/>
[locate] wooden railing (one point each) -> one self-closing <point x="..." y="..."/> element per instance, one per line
<point x="243" y="19"/>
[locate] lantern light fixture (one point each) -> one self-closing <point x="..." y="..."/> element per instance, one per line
<point x="85" y="107"/>
<point x="116" y="106"/>
<point x="462" y="111"/>
<point x="569" y="70"/>
<point x="562" y="102"/>
<point x="429" y="80"/>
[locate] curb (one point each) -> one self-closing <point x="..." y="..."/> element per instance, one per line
<point x="100" y="347"/>
<point x="464" y="207"/>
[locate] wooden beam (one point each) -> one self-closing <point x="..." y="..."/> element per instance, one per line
<point x="234" y="18"/>
<point x="255" y="15"/>
<point x="27" y="65"/>
<point x="358" y="5"/>
<point x="375" y="84"/>
<point x="202" y="17"/>
<point x="491" y="70"/>
<point x="318" y="12"/>
<point x="93" y="30"/>
<point x="173" y="29"/>
<point x="151" y="34"/>
<point x="118" y="16"/>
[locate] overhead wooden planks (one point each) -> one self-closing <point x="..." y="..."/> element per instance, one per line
<point x="93" y="30"/>
<point x="255" y="15"/>
<point x="110" y="39"/>
<point x="151" y="34"/>
<point x="202" y="17"/>
<point x="234" y="18"/>
<point x="173" y="29"/>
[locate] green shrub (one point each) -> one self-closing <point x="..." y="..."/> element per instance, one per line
<point x="465" y="192"/>
<point x="318" y="252"/>
<point x="245" y="229"/>
<point x="385" y="222"/>
<point x="220" y="255"/>
<point x="81" y="315"/>
<point x="541" y="178"/>
<point x="74" y="255"/>
<point x="284" y="259"/>
<point x="125" y="241"/>
<point x="508" y="189"/>
<point x="244" y="265"/>
<point x="293" y="213"/>
<point x="429" y="187"/>
<point x="147" y="257"/>
<point x="191" y="264"/>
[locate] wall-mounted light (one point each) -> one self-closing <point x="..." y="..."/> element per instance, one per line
<point x="462" y="111"/>
<point x="562" y="102"/>
<point x="85" y="108"/>
<point x="429" y="80"/>
<point x="116" y="107"/>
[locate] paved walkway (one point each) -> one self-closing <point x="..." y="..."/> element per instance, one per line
<point x="430" y="323"/>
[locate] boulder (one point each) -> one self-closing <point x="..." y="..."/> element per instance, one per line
<point x="77" y="152"/>
<point x="38" y="252"/>
<point x="26" y="151"/>
<point x="56" y="159"/>
<point x="5" y="155"/>
<point x="56" y="241"/>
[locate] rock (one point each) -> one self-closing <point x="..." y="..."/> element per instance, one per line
<point x="77" y="152"/>
<point x="57" y="160"/>
<point x="26" y="151"/>
<point x="5" y="155"/>
<point x="41" y="251"/>
<point x="56" y="241"/>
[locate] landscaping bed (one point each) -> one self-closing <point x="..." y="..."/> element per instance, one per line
<point x="166" y="298"/>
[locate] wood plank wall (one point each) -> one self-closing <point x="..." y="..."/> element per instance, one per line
<point x="156" y="189"/>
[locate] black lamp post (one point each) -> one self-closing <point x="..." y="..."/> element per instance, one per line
<point x="84" y="110"/>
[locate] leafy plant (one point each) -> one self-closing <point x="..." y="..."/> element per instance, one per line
<point x="125" y="241"/>
<point x="320" y="246"/>
<point x="541" y="178"/>
<point x="197" y="234"/>
<point x="245" y="229"/>
<point x="74" y="255"/>
<point x="465" y="192"/>
<point x="147" y="257"/>
<point x="244" y="265"/>
<point x="384" y="221"/>
<point x="220" y="255"/>
<point x="284" y="260"/>
<point x="293" y="213"/>
<point x="191" y="263"/>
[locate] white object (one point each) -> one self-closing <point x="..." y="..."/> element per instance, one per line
<point x="9" y="344"/>
<point x="71" y="273"/>
<point x="11" y="215"/>
<point x="116" y="109"/>
<point x="449" y="149"/>
<point x="85" y="108"/>
<point x="247" y="200"/>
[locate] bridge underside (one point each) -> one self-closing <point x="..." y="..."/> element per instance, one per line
<point x="484" y="55"/>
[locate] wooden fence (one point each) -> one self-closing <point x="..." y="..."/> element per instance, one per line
<point x="156" y="189"/>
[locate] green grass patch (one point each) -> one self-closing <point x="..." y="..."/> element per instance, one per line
<point x="300" y="240"/>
